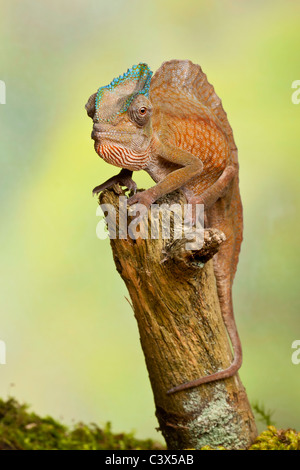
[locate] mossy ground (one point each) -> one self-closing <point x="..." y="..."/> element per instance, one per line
<point x="24" y="430"/>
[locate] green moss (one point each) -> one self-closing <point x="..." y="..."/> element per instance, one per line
<point x="272" y="439"/>
<point x="23" y="430"/>
<point x="277" y="439"/>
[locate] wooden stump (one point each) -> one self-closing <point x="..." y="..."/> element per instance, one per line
<point x="175" y="302"/>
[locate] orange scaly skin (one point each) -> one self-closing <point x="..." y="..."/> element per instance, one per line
<point x="183" y="140"/>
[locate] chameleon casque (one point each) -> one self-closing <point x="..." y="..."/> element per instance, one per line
<point x="173" y="126"/>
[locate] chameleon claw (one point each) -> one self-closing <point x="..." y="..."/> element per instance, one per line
<point x="131" y="185"/>
<point x="123" y="179"/>
<point x="142" y="197"/>
<point x="139" y="202"/>
<point x="100" y="188"/>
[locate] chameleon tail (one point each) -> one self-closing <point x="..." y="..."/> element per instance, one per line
<point x="224" y="293"/>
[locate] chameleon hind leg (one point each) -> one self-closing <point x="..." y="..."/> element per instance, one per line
<point x="223" y="281"/>
<point x="214" y="192"/>
<point x="225" y="262"/>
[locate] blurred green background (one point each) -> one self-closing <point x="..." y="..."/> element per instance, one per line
<point x="72" y="342"/>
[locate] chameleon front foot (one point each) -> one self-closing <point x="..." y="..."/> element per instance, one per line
<point x="144" y="197"/>
<point x="123" y="179"/>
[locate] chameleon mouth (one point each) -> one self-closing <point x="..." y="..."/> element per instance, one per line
<point x="97" y="146"/>
<point x="103" y="135"/>
<point x="96" y="135"/>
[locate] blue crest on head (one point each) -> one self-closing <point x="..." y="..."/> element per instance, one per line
<point x="139" y="73"/>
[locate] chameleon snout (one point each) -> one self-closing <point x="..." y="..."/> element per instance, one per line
<point x="96" y="132"/>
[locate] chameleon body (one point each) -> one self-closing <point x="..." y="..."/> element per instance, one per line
<point x="174" y="127"/>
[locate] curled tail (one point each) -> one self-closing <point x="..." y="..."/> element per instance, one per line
<point x="237" y="350"/>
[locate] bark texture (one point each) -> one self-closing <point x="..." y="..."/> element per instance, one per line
<point x="175" y="302"/>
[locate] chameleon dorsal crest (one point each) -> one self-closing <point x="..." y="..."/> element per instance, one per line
<point x="115" y="98"/>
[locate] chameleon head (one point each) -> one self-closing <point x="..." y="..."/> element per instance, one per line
<point x="121" y="112"/>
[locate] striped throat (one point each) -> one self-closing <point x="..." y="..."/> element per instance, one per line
<point x="123" y="157"/>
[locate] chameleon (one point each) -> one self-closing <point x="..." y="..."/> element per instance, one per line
<point x="172" y="125"/>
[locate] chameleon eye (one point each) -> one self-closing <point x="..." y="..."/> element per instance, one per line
<point x="140" y="113"/>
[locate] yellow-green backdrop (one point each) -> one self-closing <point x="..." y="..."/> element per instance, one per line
<point x="72" y="342"/>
